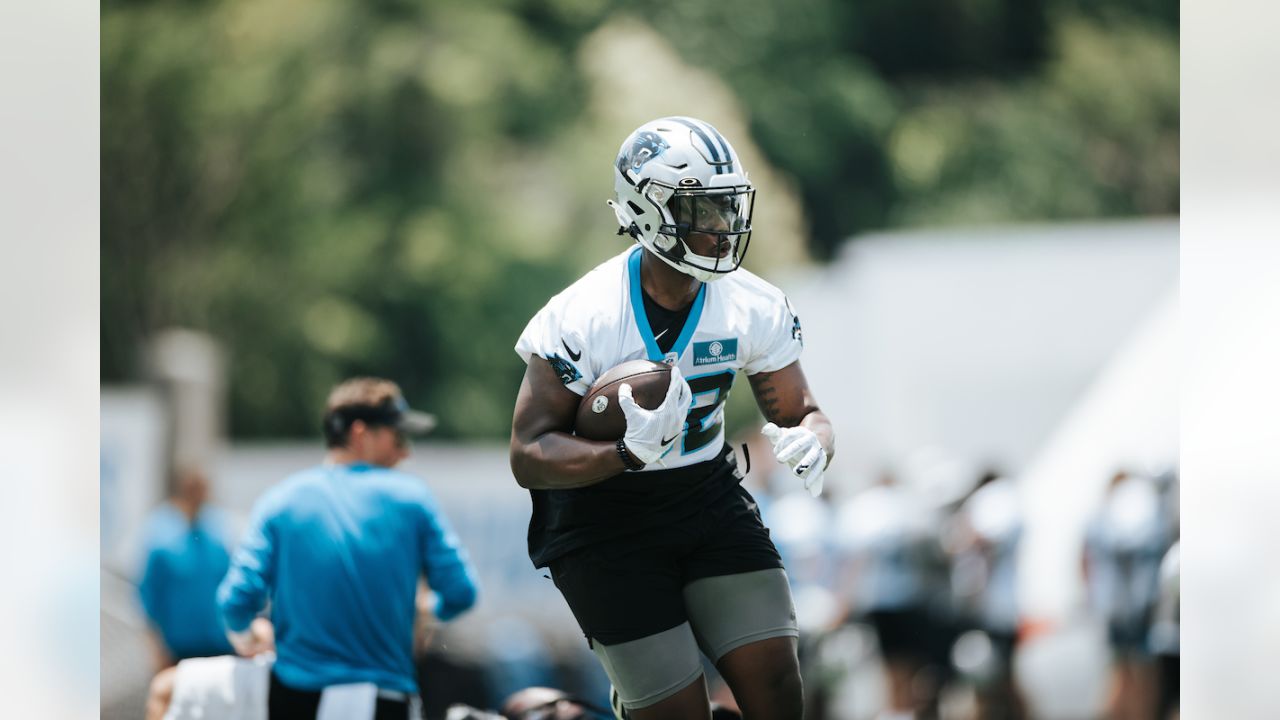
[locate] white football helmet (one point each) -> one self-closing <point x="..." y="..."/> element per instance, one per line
<point x="677" y="177"/>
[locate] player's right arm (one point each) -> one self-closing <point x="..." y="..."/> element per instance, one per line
<point x="545" y="454"/>
<point x="244" y="589"/>
<point x="449" y="573"/>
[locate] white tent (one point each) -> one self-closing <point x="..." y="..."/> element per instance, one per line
<point x="1127" y="419"/>
<point x="977" y="341"/>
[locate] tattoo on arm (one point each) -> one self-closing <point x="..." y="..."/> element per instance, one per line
<point x="768" y="399"/>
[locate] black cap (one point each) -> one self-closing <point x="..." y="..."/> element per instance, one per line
<point x="413" y="422"/>
<point x="394" y="412"/>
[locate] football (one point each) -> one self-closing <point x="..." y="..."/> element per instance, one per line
<point x="600" y="417"/>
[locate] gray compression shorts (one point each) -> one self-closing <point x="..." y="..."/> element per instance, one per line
<point x="725" y="612"/>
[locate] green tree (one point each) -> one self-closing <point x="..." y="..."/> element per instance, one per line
<point x="316" y="186"/>
<point x="394" y="187"/>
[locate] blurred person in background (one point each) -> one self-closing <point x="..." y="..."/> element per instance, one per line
<point x="544" y="703"/>
<point x="338" y="550"/>
<point x="532" y="703"/>
<point x="647" y="537"/>
<point x="800" y="527"/>
<point x="1124" y="543"/>
<point x="982" y="542"/>
<point x="1164" y="639"/>
<point x="1167" y="486"/>
<point x="1165" y="635"/>
<point x="886" y="550"/>
<point x="185" y="541"/>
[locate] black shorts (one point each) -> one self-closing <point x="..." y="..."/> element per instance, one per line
<point x="1128" y="639"/>
<point x="906" y="634"/>
<point x="1168" y="685"/>
<point x="631" y="587"/>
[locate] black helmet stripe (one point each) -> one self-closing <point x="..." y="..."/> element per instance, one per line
<point x="715" y="156"/>
<point x="728" y="156"/>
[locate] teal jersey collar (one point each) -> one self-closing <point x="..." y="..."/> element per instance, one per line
<point x="642" y="318"/>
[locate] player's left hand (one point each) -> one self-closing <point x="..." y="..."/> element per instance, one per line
<point x="799" y="448"/>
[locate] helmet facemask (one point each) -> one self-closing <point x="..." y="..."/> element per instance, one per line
<point x="705" y="231"/>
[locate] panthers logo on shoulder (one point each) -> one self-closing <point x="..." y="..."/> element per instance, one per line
<point x="646" y="146"/>
<point x="796" y="334"/>
<point x="565" y="369"/>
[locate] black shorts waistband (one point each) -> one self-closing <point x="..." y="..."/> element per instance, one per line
<point x="290" y="703"/>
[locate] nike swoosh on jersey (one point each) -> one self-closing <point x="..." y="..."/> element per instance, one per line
<point x="575" y="355"/>
<point x="671" y="439"/>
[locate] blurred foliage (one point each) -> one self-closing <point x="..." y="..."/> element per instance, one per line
<point x="312" y="182"/>
<point x="393" y="187"/>
<point x="906" y="112"/>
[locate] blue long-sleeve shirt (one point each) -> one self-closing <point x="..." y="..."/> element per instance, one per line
<point x="185" y="560"/>
<point x="338" y="550"/>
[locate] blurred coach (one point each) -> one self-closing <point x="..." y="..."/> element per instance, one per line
<point x="338" y="550"/>
<point x="186" y="557"/>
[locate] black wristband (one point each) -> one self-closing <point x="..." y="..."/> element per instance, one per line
<point x="626" y="457"/>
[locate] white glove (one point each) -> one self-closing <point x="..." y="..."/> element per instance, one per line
<point x="799" y="448"/>
<point x="652" y="433"/>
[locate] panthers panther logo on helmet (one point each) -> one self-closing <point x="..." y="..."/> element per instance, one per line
<point x="676" y="177"/>
<point x="645" y="146"/>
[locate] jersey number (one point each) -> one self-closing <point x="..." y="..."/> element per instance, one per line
<point x="697" y="432"/>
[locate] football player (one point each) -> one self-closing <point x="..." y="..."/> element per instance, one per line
<point x="656" y="547"/>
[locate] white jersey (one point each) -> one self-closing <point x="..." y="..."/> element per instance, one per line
<point x="739" y="322"/>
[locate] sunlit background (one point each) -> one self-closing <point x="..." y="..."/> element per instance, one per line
<point x="975" y="206"/>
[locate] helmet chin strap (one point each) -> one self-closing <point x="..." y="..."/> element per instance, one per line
<point x="687" y="270"/>
<point x="701" y="273"/>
